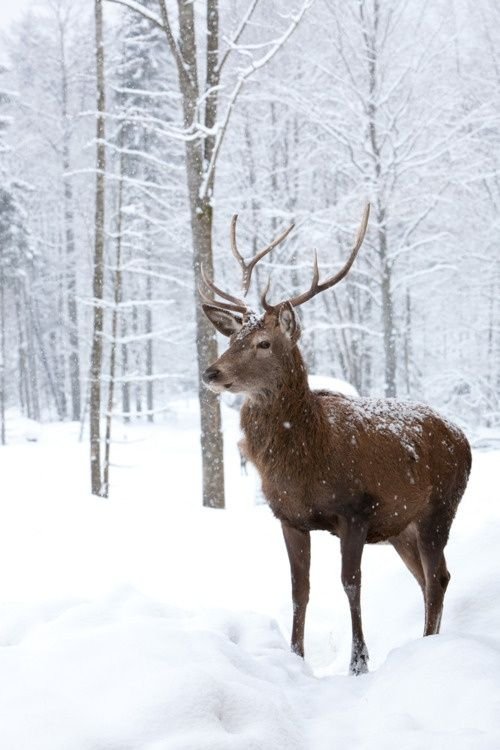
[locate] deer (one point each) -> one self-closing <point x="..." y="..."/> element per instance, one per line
<point x="367" y="470"/>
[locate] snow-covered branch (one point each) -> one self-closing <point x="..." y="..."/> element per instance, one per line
<point x="243" y="76"/>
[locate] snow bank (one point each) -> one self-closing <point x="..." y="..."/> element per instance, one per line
<point x="147" y="623"/>
<point x="440" y="692"/>
<point x="126" y="672"/>
<point x="327" y="383"/>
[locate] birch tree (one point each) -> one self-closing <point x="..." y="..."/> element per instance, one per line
<point x="205" y="127"/>
<point x="98" y="275"/>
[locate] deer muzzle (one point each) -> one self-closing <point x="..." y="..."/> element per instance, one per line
<point x="213" y="378"/>
<point x="211" y="374"/>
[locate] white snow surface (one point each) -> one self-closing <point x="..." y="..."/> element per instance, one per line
<point x="327" y="383"/>
<point x="145" y="622"/>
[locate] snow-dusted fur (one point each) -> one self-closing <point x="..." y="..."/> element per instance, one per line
<point x="366" y="470"/>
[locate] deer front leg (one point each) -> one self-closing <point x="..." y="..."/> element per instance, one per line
<point x="298" y="545"/>
<point x="352" y="540"/>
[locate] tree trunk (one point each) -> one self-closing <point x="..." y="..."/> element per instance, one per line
<point x="57" y="335"/>
<point x="407" y="343"/>
<point x="210" y="416"/>
<point x="51" y="378"/>
<point x="197" y="157"/>
<point x="98" y="279"/>
<point x="117" y="298"/>
<point x="23" y="382"/>
<point x="2" y="356"/>
<point x="370" y="38"/>
<point x="149" y="341"/>
<point x="74" y="356"/>
<point x="31" y="352"/>
<point x="137" y="346"/>
<point x="124" y="371"/>
<point x="387" y="315"/>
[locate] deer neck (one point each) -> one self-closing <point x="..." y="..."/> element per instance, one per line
<point x="291" y="389"/>
<point x="283" y="418"/>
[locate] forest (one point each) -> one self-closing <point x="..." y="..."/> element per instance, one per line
<point x="132" y="132"/>
<point x="149" y="598"/>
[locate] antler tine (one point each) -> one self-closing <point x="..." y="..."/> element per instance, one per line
<point x="263" y="297"/>
<point x="221" y="305"/>
<point x="237" y="305"/>
<point x="234" y="246"/>
<point x="247" y="268"/>
<point x="315" y="287"/>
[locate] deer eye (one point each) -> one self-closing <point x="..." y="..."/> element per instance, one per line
<point x="263" y="344"/>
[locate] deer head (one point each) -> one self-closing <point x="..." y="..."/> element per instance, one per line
<point x="260" y="346"/>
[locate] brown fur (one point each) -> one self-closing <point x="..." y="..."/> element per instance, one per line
<point x="366" y="470"/>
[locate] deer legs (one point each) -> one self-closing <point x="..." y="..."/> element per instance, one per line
<point x="424" y="557"/>
<point x="352" y="540"/>
<point x="298" y="545"/>
<point x="406" y="545"/>
<point x="436" y="582"/>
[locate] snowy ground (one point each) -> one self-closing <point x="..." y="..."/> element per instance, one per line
<point x="148" y="623"/>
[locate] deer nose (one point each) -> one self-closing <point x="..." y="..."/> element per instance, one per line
<point x="210" y="374"/>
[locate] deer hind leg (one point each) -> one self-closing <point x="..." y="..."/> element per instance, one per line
<point x="437" y="578"/>
<point x="432" y="540"/>
<point x="352" y="540"/>
<point x="298" y="545"/>
<point x="406" y="545"/>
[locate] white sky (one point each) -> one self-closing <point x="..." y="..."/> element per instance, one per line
<point x="12" y="9"/>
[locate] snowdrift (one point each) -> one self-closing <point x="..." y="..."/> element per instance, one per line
<point x="147" y="623"/>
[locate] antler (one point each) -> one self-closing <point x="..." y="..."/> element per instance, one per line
<point x="235" y="304"/>
<point x="247" y="268"/>
<point x="316" y="287"/>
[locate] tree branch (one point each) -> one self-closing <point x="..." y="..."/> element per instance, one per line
<point x="141" y="9"/>
<point x="245" y="75"/>
<point x="239" y="31"/>
<point x="174" y="47"/>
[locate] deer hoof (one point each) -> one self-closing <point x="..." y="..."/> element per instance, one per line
<point x="359" y="662"/>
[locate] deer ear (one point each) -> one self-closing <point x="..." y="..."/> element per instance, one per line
<point x="288" y="321"/>
<point x="226" y="322"/>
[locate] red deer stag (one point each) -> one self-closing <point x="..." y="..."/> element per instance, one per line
<point x="366" y="470"/>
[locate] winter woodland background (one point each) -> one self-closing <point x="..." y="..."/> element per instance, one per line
<point x="150" y="622"/>
<point x="298" y="112"/>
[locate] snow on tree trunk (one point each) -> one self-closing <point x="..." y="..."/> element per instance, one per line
<point x="98" y="279"/>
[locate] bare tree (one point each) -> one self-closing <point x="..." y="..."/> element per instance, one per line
<point x="117" y="298"/>
<point x="62" y="10"/>
<point x="204" y="131"/>
<point x="98" y="279"/>
<point x="385" y="100"/>
<point x="2" y="356"/>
